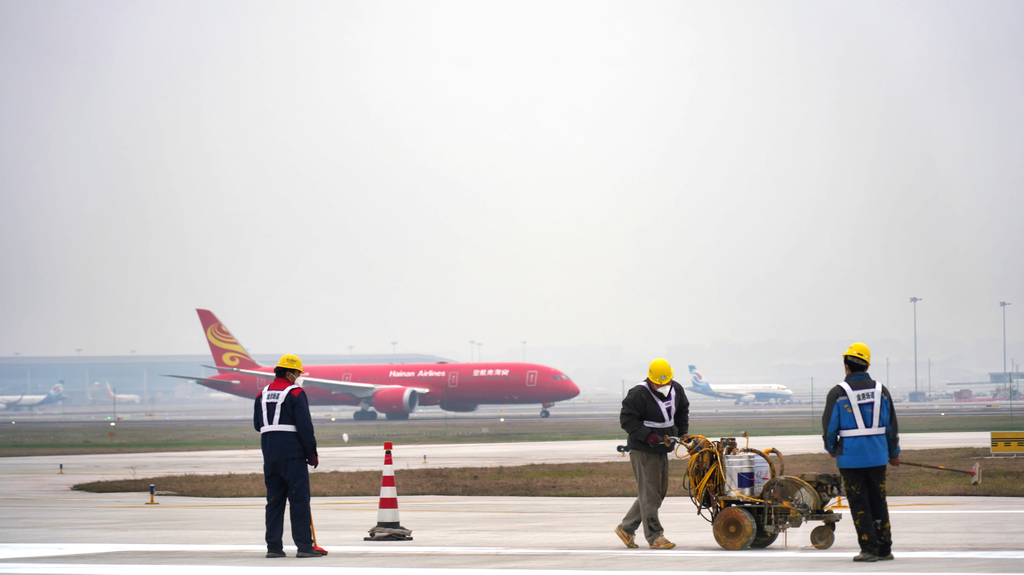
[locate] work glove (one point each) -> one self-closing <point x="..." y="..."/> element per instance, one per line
<point x="313" y="460"/>
<point x="654" y="439"/>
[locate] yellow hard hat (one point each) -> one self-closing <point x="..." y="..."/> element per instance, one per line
<point x="660" y="372"/>
<point x="289" y="361"/>
<point x="860" y="351"/>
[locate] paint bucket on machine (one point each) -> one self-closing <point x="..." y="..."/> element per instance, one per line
<point x="739" y="474"/>
<point x="762" y="473"/>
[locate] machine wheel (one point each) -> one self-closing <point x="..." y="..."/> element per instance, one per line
<point x="762" y="538"/>
<point x="734" y="528"/>
<point x="545" y="413"/>
<point x="364" y="415"/>
<point x="822" y="537"/>
<point x="397" y="416"/>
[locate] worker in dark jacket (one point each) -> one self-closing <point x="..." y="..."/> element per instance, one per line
<point x="860" y="431"/>
<point x="653" y="410"/>
<point x="281" y="415"/>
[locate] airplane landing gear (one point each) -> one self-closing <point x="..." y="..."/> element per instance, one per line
<point x="397" y="416"/>
<point x="365" y="415"/>
<point x="545" y="413"/>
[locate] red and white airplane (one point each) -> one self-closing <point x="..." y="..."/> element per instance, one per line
<point x="395" y="390"/>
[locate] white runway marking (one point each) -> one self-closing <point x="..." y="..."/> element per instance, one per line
<point x="35" y="550"/>
<point x="55" y="569"/>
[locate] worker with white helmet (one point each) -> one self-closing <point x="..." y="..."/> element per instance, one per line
<point x="653" y="410"/>
<point x="860" y="432"/>
<point x="281" y="415"/>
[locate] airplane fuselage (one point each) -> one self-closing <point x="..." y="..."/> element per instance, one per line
<point x="25" y="401"/>
<point x="454" y="386"/>
<point x="746" y="393"/>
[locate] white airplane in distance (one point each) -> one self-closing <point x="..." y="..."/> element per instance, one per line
<point x="122" y="396"/>
<point x="740" y="393"/>
<point x="22" y="401"/>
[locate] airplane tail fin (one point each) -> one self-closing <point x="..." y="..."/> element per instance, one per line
<point x="227" y="352"/>
<point x="58" y="390"/>
<point x="110" y="392"/>
<point x="696" y="378"/>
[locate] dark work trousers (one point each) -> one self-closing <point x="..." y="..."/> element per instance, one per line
<point x="651" y="473"/>
<point x="865" y="493"/>
<point x="287" y="478"/>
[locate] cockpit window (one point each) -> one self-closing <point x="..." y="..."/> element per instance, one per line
<point x="559" y="376"/>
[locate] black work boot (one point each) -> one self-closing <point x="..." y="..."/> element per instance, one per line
<point x="275" y="553"/>
<point x="311" y="553"/>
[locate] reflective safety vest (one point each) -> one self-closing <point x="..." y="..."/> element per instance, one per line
<point x="856" y="399"/>
<point x="278" y="397"/>
<point x="668" y="408"/>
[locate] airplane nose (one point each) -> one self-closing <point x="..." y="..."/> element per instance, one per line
<point x="570" y="389"/>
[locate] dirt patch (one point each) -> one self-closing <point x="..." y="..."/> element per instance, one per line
<point x="1000" y="477"/>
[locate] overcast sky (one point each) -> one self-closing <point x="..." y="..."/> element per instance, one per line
<point x="651" y="177"/>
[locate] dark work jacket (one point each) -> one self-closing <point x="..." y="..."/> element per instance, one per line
<point x="639" y="405"/>
<point x="859" y="452"/>
<point x="295" y="411"/>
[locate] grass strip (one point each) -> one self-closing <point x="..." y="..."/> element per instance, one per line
<point x="1000" y="477"/>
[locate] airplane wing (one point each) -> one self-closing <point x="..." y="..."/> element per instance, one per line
<point x="197" y="378"/>
<point x="354" y="389"/>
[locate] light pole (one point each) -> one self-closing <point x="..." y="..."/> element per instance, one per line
<point x="472" y="344"/>
<point x="812" y="403"/>
<point x="394" y="347"/>
<point x="914" y="301"/>
<point x="524" y="352"/>
<point x="1003" y="305"/>
<point x="479" y="351"/>
<point x="350" y="349"/>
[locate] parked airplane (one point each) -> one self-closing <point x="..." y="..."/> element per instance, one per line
<point x="22" y="401"/>
<point x="125" y="397"/>
<point x="395" y="390"/>
<point x="741" y="393"/>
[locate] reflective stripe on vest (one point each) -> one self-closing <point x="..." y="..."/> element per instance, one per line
<point x="857" y="398"/>
<point x="668" y="408"/>
<point x="277" y="397"/>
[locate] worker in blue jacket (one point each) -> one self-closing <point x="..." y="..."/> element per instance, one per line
<point x="861" y="433"/>
<point x="281" y="415"/>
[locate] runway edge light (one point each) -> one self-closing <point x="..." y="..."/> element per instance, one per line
<point x="152" y="494"/>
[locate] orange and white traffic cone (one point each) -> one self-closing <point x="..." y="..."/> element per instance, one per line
<point x="388" y="527"/>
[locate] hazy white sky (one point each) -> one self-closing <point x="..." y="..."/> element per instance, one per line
<point x="648" y="176"/>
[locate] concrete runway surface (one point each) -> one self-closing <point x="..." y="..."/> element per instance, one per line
<point x="47" y="528"/>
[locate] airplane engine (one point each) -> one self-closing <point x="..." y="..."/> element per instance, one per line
<point x="396" y="400"/>
<point x="748" y="398"/>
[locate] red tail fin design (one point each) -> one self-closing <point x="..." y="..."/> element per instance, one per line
<point x="227" y="352"/>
